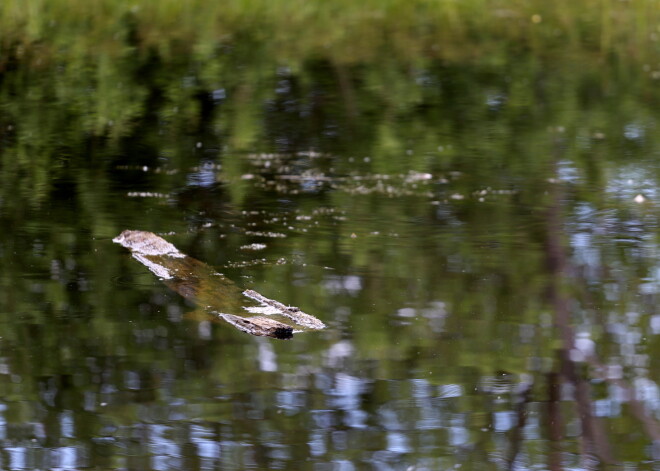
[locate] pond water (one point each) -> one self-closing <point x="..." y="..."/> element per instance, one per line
<point x="481" y="241"/>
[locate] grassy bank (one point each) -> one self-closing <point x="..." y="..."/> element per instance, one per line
<point x="342" y="30"/>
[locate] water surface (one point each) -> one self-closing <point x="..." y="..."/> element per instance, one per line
<point x="481" y="241"/>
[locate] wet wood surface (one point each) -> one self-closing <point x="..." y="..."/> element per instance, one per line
<point x="246" y="310"/>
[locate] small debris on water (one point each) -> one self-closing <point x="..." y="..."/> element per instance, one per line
<point x="146" y="194"/>
<point x="254" y="246"/>
<point x="417" y="176"/>
<point x="273" y="235"/>
<point x="640" y="198"/>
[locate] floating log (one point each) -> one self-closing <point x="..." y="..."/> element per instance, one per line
<point x="217" y="295"/>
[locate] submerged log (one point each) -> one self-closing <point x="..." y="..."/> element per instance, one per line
<point x="215" y="293"/>
<point x="261" y="326"/>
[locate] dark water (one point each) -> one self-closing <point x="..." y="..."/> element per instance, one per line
<point x="482" y="242"/>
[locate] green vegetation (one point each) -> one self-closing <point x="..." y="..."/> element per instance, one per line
<point x="348" y="32"/>
<point x="110" y="63"/>
<point x="107" y="65"/>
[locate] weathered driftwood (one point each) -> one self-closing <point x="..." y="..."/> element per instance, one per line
<point x="216" y="294"/>
<point x="291" y="312"/>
